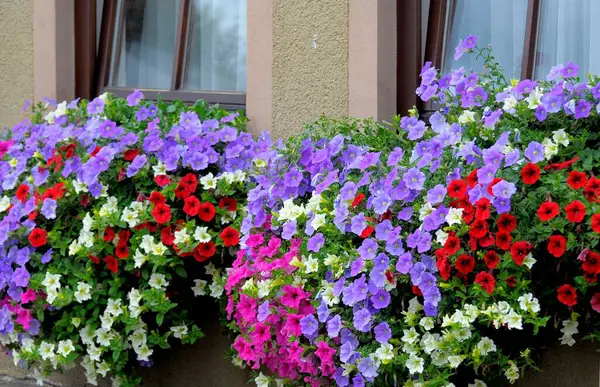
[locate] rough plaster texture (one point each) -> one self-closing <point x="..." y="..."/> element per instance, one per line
<point x="16" y="59"/>
<point x="310" y="62"/>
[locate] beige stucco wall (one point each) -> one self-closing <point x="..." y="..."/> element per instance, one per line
<point x="310" y="62"/>
<point x="16" y="59"/>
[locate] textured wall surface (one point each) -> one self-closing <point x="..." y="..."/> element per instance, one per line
<point x="16" y="59"/>
<point x="310" y="62"/>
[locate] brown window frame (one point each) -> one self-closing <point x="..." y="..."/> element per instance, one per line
<point x="409" y="42"/>
<point x="93" y="68"/>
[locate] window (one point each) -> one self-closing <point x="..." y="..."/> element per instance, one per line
<point x="178" y="49"/>
<point x="528" y="36"/>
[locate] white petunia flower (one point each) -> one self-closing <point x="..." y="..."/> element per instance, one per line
<point x="529" y="303"/>
<point x="318" y="221"/>
<point x="65" y="347"/>
<point x="199" y="287"/>
<point x="201" y="235"/>
<point x="4" y="203"/>
<point x="114" y="307"/>
<point x="158" y="281"/>
<point x="454" y="216"/>
<point x="466" y="117"/>
<point x="46" y="350"/>
<point x="311" y="265"/>
<point x="139" y="259"/>
<point x="51" y="281"/>
<point x="262" y="381"/>
<point x="179" y="331"/>
<point x="486" y="345"/>
<point x="560" y="137"/>
<point x="216" y="289"/>
<point x="415" y="364"/>
<point x="208" y="181"/>
<point x="181" y="237"/>
<point x="83" y="292"/>
<point x="514" y="320"/>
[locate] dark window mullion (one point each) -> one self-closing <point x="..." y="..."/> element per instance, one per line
<point x="183" y="23"/>
<point x="531" y="32"/>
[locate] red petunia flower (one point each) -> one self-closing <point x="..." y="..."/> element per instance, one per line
<point x="452" y="245"/>
<point x="472" y="178"/>
<point x="592" y="189"/>
<point x="157" y="198"/>
<point x="492" y="184"/>
<point x="367" y="232"/>
<point x="557" y="244"/>
<point x="465" y="264"/>
<point x="22" y="193"/>
<point x="592" y="263"/>
<point x="204" y="251"/>
<point x="519" y="251"/>
<point x="457" y="189"/>
<point x="38" y="237"/>
<point x="530" y="173"/>
<point x="575" y="211"/>
<point x="166" y="236"/>
<point x="506" y="222"/>
<point x="162" y="180"/>
<point x="511" y="281"/>
<point x="486" y="280"/>
<point x="491" y="259"/>
<point x="416" y="291"/>
<point x="483" y="209"/>
<point x="358" y="199"/>
<point x="487" y="241"/>
<point x="590" y="278"/>
<point x="478" y="228"/>
<point x="189" y="182"/>
<point x="161" y="213"/>
<point x="131" y="154"/>
<point x="577" y="179"/>
<point x="96" y="150"/>
<point x="85" y="200"/>
<point x="191" y="205"/>
<point x="444" y="267"/>
<point x="563" y="165"/>
<point x="94" y="259"/>
<point x="567" y="295"/>
<point x="547" y="211"/>
<point x="229" y="203"/>
<point x="206" y="211"/>
<point x="69" y="150"/>
<point x="109" y="234"/>
<point x="122" y="251"/>
<point x="112" y="264"/>
<point x="595" y="302"/>
<point x="596" y="223"/>
<point x="503" y="240"/>
<point x="124" y="236"/>
<point x="181" y="192"/>
<point x="230" y="236"/>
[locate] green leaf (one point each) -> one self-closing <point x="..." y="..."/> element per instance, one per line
<point x="180" y="270"/>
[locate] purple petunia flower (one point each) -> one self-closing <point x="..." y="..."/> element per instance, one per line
<point x="288" y="230"/>
<point x="381" y="299"/>
<point x="420" y="240"/>
<point x="368" y="249"/>
<point x="405" y="263"/>
<point x="49" y="208"/>
<point x="504" y="189"/>
<point x="436" y="194"/>
<point x="138" y="163"/>
<point x="323" y="311"/>
<point x="315" y="243"/>
<point x="309" y="325"/>
<point x="263" y="311"/>
<point x="383" y="333"/>
<point x="134" y="98"/>
<point x="582" y="109"/>
<point x="333" y="326"/>
<point x="362" y="320"/>
<point x="570" y="70"/>
<point x="395" y="156"/>
<point x="535" y="152"/>
<point x="96" y="106"/>
<point x="486" y="174"/>
<point x="358" y="223"/>
<point x="367" y="367"/>
<point x="414" y="179"/>
<point x="20" y="277"/>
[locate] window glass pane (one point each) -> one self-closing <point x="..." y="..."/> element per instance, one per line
<point x="567" y="32"/>
<point x="216" y="56"/>
<point x="424" y="26"/>
<point x="144" y="43"/>
<point x="499" y="23"/>
<point x="99" y="8"/>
